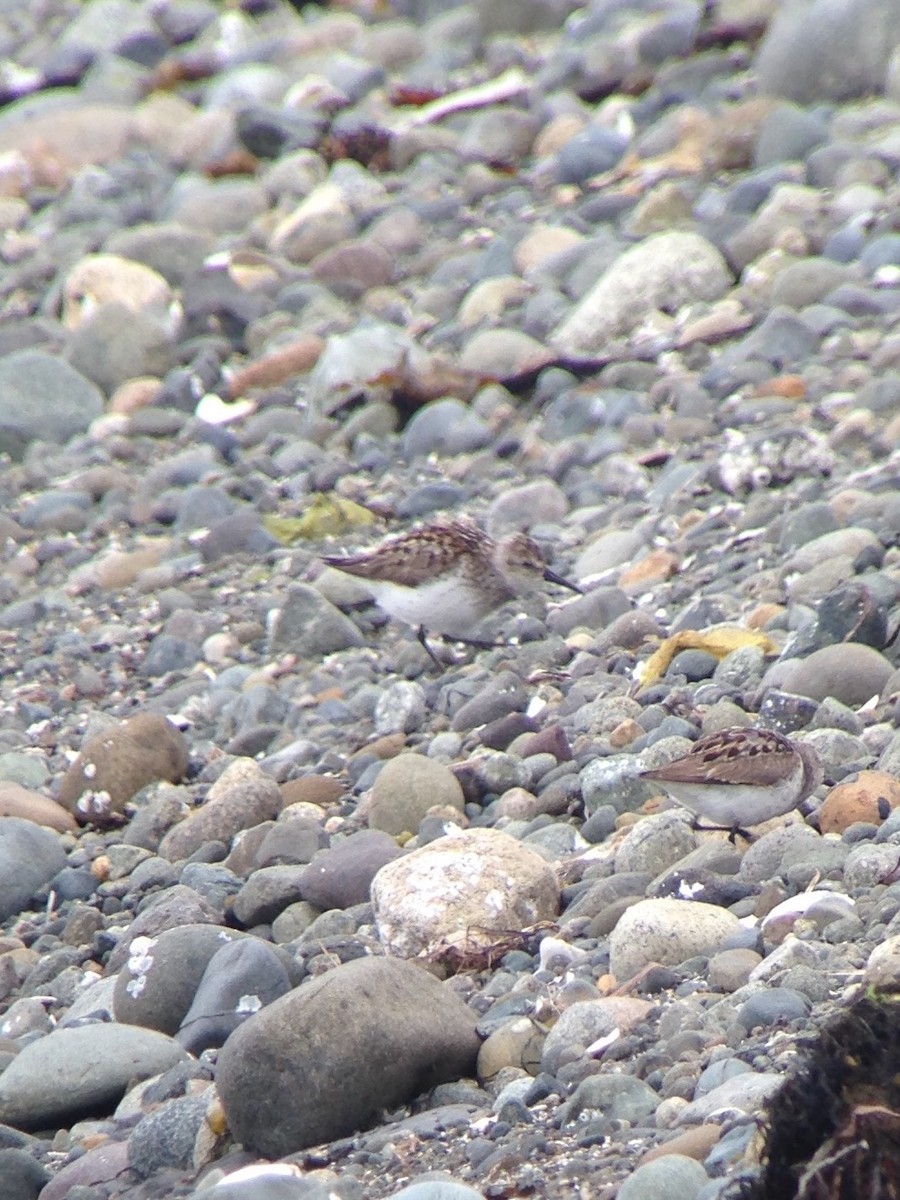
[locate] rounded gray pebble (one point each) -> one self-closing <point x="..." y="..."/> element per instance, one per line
<point x="778" y="1005"/>
<point x="674" y="1177"/>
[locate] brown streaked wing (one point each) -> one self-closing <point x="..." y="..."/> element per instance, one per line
<point x="746" y="756"/>
<point x="414" y="557"/>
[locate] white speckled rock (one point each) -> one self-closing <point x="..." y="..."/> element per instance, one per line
<point x="109" y="278"/>
<point x="883" y="966"/>
<point x="667" y="932"/>
<point x="670" y="269"/>
<point x="460" y="888"/>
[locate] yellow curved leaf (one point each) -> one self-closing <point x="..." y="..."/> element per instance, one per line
<point x="718" y="640"/>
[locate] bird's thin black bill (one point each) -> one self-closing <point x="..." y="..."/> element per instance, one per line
<point x="552" y="577"/>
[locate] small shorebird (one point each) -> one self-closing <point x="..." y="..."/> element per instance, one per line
<point x="445" y="576"/>
<point x="740" y="777"/>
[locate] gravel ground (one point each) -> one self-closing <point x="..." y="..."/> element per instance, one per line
<point x="273" y="888"/>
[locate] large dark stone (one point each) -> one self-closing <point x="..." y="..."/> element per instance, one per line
<point x="330" y="1056"/>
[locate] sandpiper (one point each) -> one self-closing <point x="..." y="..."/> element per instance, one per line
<point x="740" y="777"/>
<point x="445" y="576"/>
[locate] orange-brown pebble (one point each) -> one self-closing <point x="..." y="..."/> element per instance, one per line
<point x="791" y="387"/>
<point x="870" y="797"/>
<point x="274" y="368"/>
<point x="100" y="868"/>
<point x="607" y="984"/>
<point x="625" y="733"/>
<point x="388" y="746"/>
<point x="695" y="1143"/>
<point x="18" y="801"/>
<point x="658" y="566"/>
<point x="762" y="615"/>
<point x="134" y="394"/>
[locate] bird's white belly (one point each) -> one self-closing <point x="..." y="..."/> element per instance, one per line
<point x="737" y="803"/>
<point x="443" y="605"/>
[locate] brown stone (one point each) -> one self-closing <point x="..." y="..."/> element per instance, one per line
<point x="658" y="566"/>
<point x="763" y="614"/>
<point x="791" y="387"/>
<point x="242" y="797"/>
<point x="551" y="739"/>
<point x="388" y="746"/>
<point x="278" y="366"/>
<point x="242" y="859"/>
<point x="113" y="766"/>
<point x="695" y="1143"/>
<point x="134" y="394"/>
<point x="322" y="790"/>
<point x="18" y="801"/>
<point x="625" y="733"/>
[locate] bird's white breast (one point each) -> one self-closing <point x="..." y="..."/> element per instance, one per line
<point x="443" y="605"/>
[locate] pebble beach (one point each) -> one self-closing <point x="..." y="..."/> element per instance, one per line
<point x="287" y="912"/>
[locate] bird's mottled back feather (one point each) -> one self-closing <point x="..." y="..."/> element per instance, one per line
<point x="761" y="757"/>
<point x="413" y="558"/>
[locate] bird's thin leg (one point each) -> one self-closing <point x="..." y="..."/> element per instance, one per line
<point x="420" y="634"/>
<point x="739" y="831"/>
<point x="733" y="831"/>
